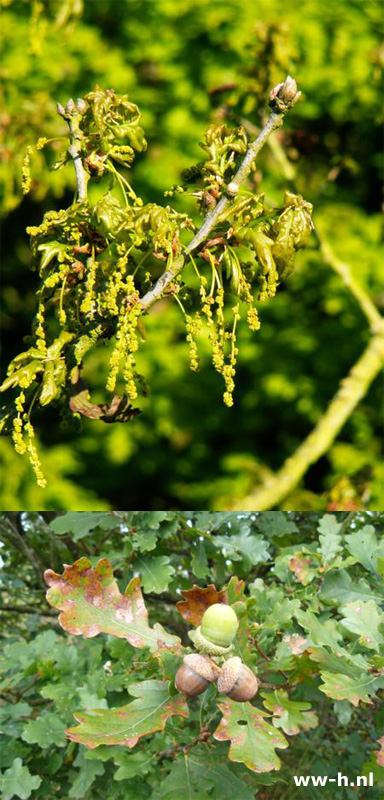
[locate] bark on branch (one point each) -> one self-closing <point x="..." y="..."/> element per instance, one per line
<point x="282" y="98"/>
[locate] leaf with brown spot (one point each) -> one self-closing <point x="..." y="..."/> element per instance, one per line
<point x="290" y="715"/>
<point x="380" y="753"/>
<point x="296" y="643"/>
<point x="197" y="600"/>
<point x="253" y="739"/>
<point x="126" y="725"/>
<point x="344" y="687"/>
<point x="303" y="568"/>
<point x="91" y="603"/>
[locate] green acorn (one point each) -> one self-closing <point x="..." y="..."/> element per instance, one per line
<point x="217" y="630"/>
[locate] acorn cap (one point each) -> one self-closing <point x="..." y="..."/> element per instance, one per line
<point x="200" y="665"/>
<point x="229" y="675"/>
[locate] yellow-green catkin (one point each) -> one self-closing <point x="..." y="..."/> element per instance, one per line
<point x="41" y="343"/>
<point x="207" y="301"/>
<point x="229" y="369"/>
<point x="252" y="315"/>
<point x="33" y="457"/>
<point x="26" y="171"/>
<point x="126" y="342"/>
<point x="193" y="326"/>
<point x="17" y="433"/>
<point x="89" y="301"/>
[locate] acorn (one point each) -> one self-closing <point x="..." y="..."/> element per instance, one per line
<point x="237" y="681"/>
<point x="219" y="624"/>
<point x="195" y="675"/>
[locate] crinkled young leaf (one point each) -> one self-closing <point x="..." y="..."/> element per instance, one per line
<point x="365" y="619"/>
<point x="253" y="740"/>
<point x="17" y="780"/>
<point x="125" y="725"/>
<point x="91" y="603"/>
<point x="290" y="715"/>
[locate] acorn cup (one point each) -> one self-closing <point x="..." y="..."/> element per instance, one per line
<point x="237" y="681"/>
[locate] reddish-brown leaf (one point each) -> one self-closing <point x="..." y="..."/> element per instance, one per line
<point x="197" y="600"/>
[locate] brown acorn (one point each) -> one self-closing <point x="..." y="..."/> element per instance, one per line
<point x="195" y="675"/>
<point x="237" y="681"/>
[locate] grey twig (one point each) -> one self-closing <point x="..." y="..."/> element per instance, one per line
<point x="282" y="98"/>
<point x="72" y="114"/>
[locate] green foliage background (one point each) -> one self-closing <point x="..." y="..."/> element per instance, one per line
<point x="46" y="674"/>
<point x="187" y="449"/>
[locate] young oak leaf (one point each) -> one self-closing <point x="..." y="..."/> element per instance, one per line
<point x="91" y="603"/>
<point x="290" y="715"/>
<point x="126" y="725"/>
<point x="253" y="739"/>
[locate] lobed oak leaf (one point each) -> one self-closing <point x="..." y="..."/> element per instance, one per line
<point x="127" y="724"/>
<point x="91" y="603"/>
<point x="197" y="600"/>
<point x="253" y="739"/>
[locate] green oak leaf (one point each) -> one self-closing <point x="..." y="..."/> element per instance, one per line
<point x="87" y="772"/>
<point x="290" y="715"/>
<point x="365" y="547"/>
<point x="247" y="546"/>
<point x="339" y="686"/>
<point x="17" y="780"/>
<point x="144" y="541"/>
<point x="275" y="524"/>
<point x="321" y="633"/>
<point x="342" y="659"/>
<point x="45" y="730"/>
<point x="253" y="740"/>
<point x="80" y="523"/>
<point x="156" y="573"/>
<point x="125" y="725"/>
<point x="188" y="779"/>
<point x="91" y="603"/>
<point x="329" y="537"/>
<point x="199" y="563"/>
<point x="364" y="618"/>
<point x="339" y="586"/>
